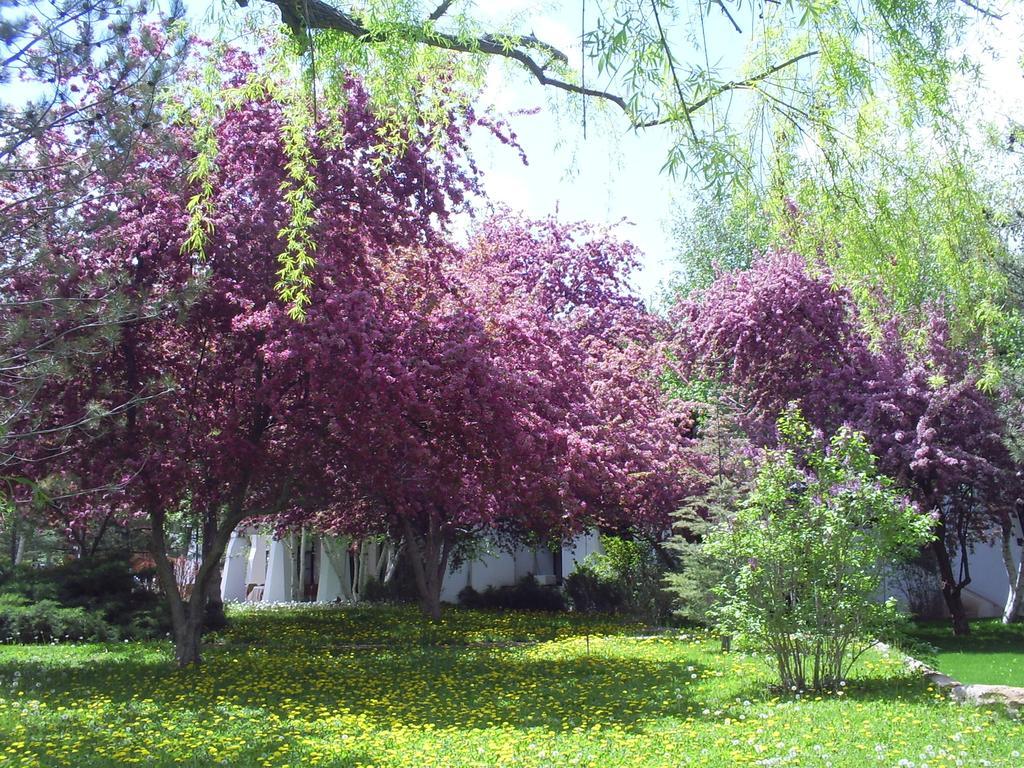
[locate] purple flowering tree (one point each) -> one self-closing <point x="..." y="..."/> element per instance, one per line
<point x="778" y="333"/>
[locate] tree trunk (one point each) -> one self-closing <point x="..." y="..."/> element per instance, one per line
<point x="951" y="587"/>
<point x="1014" y="571"/>
<point x="188" y="642"/>
<point x="187" y="618"/>
<point x="213" y="610"/>
<point x="395" y="552"/>
<point x="20" y="545"/>
<point x="429" y="556"/>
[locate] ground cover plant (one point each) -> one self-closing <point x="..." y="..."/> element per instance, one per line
<point x="993" y="655"/>
<point x="361" y="687"/>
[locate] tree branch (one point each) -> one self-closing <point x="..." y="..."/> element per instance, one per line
<point x="984" y="11"/>
<point x="324" y="16"/>
<point x="737" y="85"/>
<point x="728" y="15"/>
<point x="672" y="69"/>
<point x="515" y="47"/>
<point x="441" y="10"/>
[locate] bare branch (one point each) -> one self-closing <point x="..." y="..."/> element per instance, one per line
<point x="728" y="15"/>
<point x="672" y="68"/>
<point x="737" y="85"/>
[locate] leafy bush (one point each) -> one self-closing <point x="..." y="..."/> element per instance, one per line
<point x="47" y="621"/>
<point x="104" y="588"/>
<point x="626" y="578"/>
<point x="590" y="592"/>
<point x="525" y="595"/>
<point x="807" y="553"/>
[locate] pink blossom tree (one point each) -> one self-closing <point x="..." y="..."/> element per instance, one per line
<point x="515" y="394"/>
<point x="778" y="333"/>
<point x="203" y="388"/>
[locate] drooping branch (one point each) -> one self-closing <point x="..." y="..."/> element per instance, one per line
<point x="316" y="14"/>
<point x="997" y="15"/>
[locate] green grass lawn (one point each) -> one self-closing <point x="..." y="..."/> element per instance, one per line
<point x="380" y="687"/>
<point x="991" y="654"/>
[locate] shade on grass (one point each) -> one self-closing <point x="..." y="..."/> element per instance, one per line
<point x="992" y="654"/>
<point x="362" y="687"/>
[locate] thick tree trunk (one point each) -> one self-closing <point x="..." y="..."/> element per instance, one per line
<point x="188" y="642"/>
<point x="187" y="617"/>
<point x="213" y="610"/>
<point x="951" y="587"/>
<point x="429" y="556"/>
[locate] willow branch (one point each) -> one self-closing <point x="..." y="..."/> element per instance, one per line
<point x="518" y="48"/>
<point x="998" y="16"/>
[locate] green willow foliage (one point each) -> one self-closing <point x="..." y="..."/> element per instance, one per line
<point x="906" y="220"/>
<point x="908" y="234"/>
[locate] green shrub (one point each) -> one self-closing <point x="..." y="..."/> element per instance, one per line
<point x="104" y="588"/>
<point x="588" y="592"/>
<point x="807" y="552"/>
<point x="47" y="621"/>
<point x="625" y="578"/>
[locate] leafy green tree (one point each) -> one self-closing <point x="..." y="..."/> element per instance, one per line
<point x="807" y="553"/>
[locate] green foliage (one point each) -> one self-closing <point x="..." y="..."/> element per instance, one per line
<point x="696" y="573"/>
<point x="808" y="551"/>
<point x="905" y="225"/>
<point x="625" y="577"/>
<point x="102" y="587"/>
<point x="47" y="621"/>
<point x="590" y="592"/>
<point x="295" y="276"/>
<point x="717" y="236"/>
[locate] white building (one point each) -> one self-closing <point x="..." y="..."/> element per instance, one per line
<point x="311" y="568"/>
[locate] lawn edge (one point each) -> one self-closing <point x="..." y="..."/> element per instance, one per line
<point x="977" y="694"/>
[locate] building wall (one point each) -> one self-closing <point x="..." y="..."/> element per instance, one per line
<point x="259" y="568"/>
<point x="985" y="597"/>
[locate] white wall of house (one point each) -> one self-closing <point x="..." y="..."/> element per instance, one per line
<point x="259" y="568"/>
<point x="233" y="573"/>
<point x="983" y="598"/>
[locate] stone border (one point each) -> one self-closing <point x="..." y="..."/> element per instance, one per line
<point x="977" y="694"/>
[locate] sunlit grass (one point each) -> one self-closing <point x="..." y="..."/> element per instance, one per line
<point x="992" y="654"/>
<point x="380" y="687"/>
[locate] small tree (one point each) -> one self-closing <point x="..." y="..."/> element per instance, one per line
<point x="809" y="550"/>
